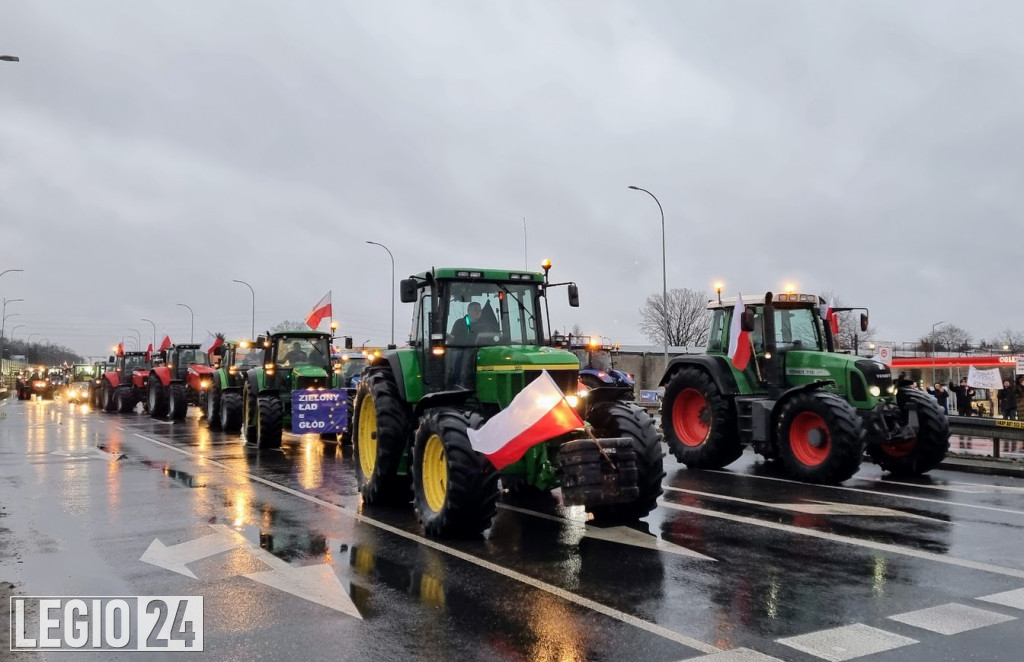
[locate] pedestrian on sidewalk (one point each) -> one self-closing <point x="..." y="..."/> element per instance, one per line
<point x="964" y="396"/>
<point x="1007" y="398"/>
<point x="1018" y="390"/>
<point x="941" y="396"/>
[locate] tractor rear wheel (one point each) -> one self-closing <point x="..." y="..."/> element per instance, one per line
<point x="250" y="409"/>
<point x="381" y="429"/>
<point x="698" y="421"/>
<point x="107" y="397"/>
<point x="455" y="487"/>
<point x="268" y="421"/>
<point x="820" y="438"/>
<point x="231" y="412"/>
<point x="625" y="419"/>
<point x="125" y="402"/>
<point x="156" y="398"/>
<point x="212" y="407"/>
<point x="177" y="404"/>
<point x="913" y="457"/>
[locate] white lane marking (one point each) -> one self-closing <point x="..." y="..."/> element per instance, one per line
<point x="177" y="557"/>
<point x="587" y="603"/>
<point x="869" y="544"/>
<point x="876" y="493"/>
<point x="953" y="486"/>
<point x="847" y="642"/>
<point x="735" y="655"/>
<point x="811" y="508"/>
<point x="1014" y="599"/>
<point x="951" y="618"/>
<point x="618" y="534"/>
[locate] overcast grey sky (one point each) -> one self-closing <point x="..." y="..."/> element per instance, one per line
<point x="151" y="152"/>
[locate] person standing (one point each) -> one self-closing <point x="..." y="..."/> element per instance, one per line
<point x="964" y="395"/>
<point x="1018" y="391"/>
<point x="1007" y="398"/>
<point x="941" y="396"/>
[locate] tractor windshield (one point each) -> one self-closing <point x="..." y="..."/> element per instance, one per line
<point x="797" y="328"/>
<point x="83" y="373"/>
<point x="482" y="313"/>
<point x="302" y="351"/>
<point x="193" y="357"/>
<point x="248" y="357"/>
<point x="133" y="362"/>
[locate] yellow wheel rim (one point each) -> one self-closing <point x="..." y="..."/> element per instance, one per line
<point x="367" y="440"/>
<point x="434" y="469"/>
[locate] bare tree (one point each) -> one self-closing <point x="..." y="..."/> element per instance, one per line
<point x="688" y="318"/>
<point x="289" y="325"/>
<point x="849" y="324"/>
<point x="1012" y="340"/>
<point x="945" y="338"/>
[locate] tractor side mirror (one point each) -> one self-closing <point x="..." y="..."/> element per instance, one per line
<point x="747" y="321"/>
<point x="863" y="321"/>
<point x="407" y="290"/>
<point x="111" y="359"/>
<point x="574" y="295"/>
<point x="348" y="342"/>
<point x="261" y="341"/>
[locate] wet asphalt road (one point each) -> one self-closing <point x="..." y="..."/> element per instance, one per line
<point x="741" y="561"/>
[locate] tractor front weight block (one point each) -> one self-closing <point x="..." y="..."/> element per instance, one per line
<point x="597" y="472"/>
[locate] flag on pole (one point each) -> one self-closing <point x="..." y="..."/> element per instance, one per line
<point x="540" y="412"/>
<point x="211" y="343"/>
<point x="165" y="343"/>
<point x="149" y="353"/>
<point x="321" y="310"/>
<point x="739" y="340"/>
<point x="830" y="317"/>
<point x="120" y="348"/>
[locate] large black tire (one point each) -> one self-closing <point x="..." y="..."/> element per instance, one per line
<point x="125" y="400"/>
<point x="231" y="412"/>
<point x="212" y="406"/>
<point x="177" y="404"/>
<point x="250" y="414"/>
<point x="107" y="399"/>
<point x="625" y="419"/>
<point x="914" y="457"/>
<point x="156" y="397"/>
<point x="820" y="438"/>
<point x="268" y="421"/>
<point x="698" y="421"/>
<point x="462" y="500"/>
<point x="381" y="433"/>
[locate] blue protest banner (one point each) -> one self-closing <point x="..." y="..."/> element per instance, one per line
<point x="649" y="397"/>
<point x="319" y="411"/>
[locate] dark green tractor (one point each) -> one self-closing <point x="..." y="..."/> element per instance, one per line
<point x="223" y="404"/>
<point x="478" y="339"/>
<point x="798" y="400"/>
<point x="291" y="360"/>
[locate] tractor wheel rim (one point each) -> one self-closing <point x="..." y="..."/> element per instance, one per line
<point x="434" y="472"/>
<point x="801" y="432"/>
<point x="367" y="441"/>
<point x="687" y="410"/>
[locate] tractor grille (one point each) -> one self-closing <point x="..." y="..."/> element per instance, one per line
<point x="876" y="374"/>
<point x="566" y="379"/>
<point x="311" y="382"/>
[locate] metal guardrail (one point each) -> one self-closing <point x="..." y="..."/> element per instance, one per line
<point x="996" y="429"/>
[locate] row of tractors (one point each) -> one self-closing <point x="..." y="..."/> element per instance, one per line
<point x="480" y="336"/>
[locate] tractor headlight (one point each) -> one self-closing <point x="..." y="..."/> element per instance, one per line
<point x="572" y="400"/>
<point x="890" y="389"/>
<point x="204" y="383"/>
<point x="875" y="391"/>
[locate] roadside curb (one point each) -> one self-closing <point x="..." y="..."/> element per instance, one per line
<point x="985" y="467"/>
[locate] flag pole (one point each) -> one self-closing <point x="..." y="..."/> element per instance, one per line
<point x="757" y="364"/>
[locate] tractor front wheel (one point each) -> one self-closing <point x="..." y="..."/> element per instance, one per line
<point x="820" y="438"/>
<point x="231" y="412"/>
<point x="455" y="487"/>
<point x="212" y="408"/>
<point x="922" y="453"/>
<point x="622" y="419"/>
<point x="125" y="402"/>
<point x="156" y="398"/>
<point x="177" y="403"/>
<point x="698" y="422"/>
<point x="381" y="429"/>
<point x="268" y="421"/>
<point x="107" y="397"/>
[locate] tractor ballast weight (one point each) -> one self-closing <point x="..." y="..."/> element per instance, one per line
<point x="798" y="400"/>
<point x="179" y="380"/>
<point x="478" y="339"/>
<point x="127" y="383"/>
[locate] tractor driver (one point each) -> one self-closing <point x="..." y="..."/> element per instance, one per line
<point x="463" y="332"/>
<point x="295" y="355"/>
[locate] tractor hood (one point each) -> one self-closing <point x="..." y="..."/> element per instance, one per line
<point x="524" y="357"/>
<point x="308" y="371"/>
<point x="855" y="376"/>
<point x="198" y="369"/>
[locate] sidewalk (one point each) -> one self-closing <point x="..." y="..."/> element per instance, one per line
<point x="988" y="466"/>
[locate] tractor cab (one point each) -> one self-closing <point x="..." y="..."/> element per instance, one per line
<point x="178" y="359"/>
<point x="129" y="362"/>
<point x="297" y="359"/>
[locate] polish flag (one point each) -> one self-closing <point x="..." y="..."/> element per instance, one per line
<point x="120" y="349"/>
<point x="149" y="353"/>
<point x="540" y="412"/>
<point x="212" y="342"/>
<point x="829" y="315"/>
<point x="165" y="343"/>
<point x="739" y="340"/>
<point x="321" y="310"/>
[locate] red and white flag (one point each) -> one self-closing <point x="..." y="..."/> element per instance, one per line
<point x="321" y="310"/>
<point x="149" y="353"/>
<point x="211" y="343"/>
<point x="739" y="340"/>
<point x="540" y="412"/>
<point x="830" y="317"/>
<point x="120" y="349"/>
<point x="165" y="343"/>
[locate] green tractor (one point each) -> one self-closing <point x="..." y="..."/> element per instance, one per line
<point x="222" y="403"/>
<point x="798" y="400"/>
<point x="478" y="339"/>
<point x="291" y="360"/>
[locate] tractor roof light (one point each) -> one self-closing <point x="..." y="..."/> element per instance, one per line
<point x="790" y="288"/>
<point x="545" y="265"/>
<point x="437" y="351"/>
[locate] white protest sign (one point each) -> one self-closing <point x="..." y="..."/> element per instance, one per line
<point x="984" y="378"/>
<point x="1020" y="365"/>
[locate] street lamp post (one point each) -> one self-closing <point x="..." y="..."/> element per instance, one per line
<point x="3" y="323"/>
<point x="253" y="336"/>
<point x="933" y="349"/>
<point x="192" y="318"/>
<point x="664" y="270"/>
<point x="154" y="330"/>
<point x="138" y="338"/>
<point x="392" y="346"/>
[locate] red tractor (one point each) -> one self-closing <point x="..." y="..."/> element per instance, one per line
<point x="181" y="380"/>
<point x="125" y="386"/>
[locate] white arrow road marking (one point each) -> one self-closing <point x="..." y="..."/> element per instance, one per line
<point x="90" y="454"/>
<point x="620" y="534"/>
<point x="812" y="507"/>
<point x="176" y="557"/>
<point x="316" y="583"/>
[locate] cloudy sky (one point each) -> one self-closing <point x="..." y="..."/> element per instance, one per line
<point x="151" y="152"/>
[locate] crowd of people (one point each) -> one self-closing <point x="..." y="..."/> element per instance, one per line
<point x="1009" y="399"/>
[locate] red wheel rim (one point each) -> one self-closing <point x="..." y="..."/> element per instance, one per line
<point x="900" y="448"/>
<point x="689" y="417"/>
<point x="802" y="431"/>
